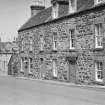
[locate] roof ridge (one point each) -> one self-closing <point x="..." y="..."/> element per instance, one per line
<point x="44" y="15"/>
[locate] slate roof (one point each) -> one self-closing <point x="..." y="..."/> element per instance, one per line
<point x="41" y="17"/>
<point x="84" y="4"/>
<point x="45" y="15"/>
<point x="60" y="0"/>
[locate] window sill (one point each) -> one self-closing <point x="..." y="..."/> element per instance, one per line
<point x="30" y="73"/>
<point x="22" y="51"/>
<point x="30" y="51"/>
<point x="69" y="50"/>
<point x="98" y="82"/>
<point x="22" y="72"/>
<point x="54" y="78"/>
<point x="54" y="50"/>
<point x="98" y="49"/>
<point x="41" y="51"/>
<point x="72" y="50"/>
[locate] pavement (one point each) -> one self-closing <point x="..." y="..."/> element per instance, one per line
<point x="19" y="91"/>
<point x="64" y="83"/>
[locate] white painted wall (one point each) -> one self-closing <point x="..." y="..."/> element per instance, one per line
<point x="4" y="59"/>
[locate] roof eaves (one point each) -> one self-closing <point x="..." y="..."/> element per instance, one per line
<point x="69" y="15"/>
<point x="24" y="24"/>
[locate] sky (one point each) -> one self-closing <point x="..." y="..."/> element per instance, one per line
<point x="13" y="14"/>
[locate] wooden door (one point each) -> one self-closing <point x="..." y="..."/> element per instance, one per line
<point x="72" y="71"/>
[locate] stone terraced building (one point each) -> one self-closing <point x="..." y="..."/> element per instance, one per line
<point x="65" y="42"/>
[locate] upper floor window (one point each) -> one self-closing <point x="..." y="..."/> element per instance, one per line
<point x="98" y="1"/>
<point x="98" y="35"/>
<point x="72" y="38"/>
<point x="72" y="6"/>
<point x="31" y="44"/>
<point x="22" y="44"/>
<point x="54" y="40"/>
<point x="99" y="71"/>
<point x="55" y="11"/>
<point x="41" y="42"/>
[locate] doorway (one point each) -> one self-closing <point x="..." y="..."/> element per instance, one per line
<point x="72" y="71"/>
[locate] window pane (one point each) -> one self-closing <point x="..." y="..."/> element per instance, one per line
<point x="54" y="36"/>
<point x="99" y="75"/>
<point x="41" y="43"/>
<point x="99" y="70"/>
<point x="54" y="69"/>
<point x="55" y="40"/>
<point x="98" y="34"/>
<point x="72" y="38"/>
<point x="55" y="45"/>
<point x="31" y="66"/>
<point x="26" y="65"/>
<point x="72" y="42"/>
<point x="30" y="60"/>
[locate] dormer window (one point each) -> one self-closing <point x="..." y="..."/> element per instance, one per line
<point x="72" y="6"/>
<point x="55" y="11"/>
<point x="98" y="1"/>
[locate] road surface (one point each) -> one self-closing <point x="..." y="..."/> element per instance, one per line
<point x="26" y="92"/>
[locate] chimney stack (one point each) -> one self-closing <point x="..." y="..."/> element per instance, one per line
<point x="37" y="7"/>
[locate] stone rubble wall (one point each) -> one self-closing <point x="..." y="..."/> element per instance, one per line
<point x="84" y="46"/>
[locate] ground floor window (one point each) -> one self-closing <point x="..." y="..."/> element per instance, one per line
<point x="25" y="63"/>
<point x="54" y="69"/>
<point x="30" y="65"/>
<point x="21" y="64"/>
<point x="99" y="71"/>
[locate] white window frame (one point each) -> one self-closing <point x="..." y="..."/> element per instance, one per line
<point x="54" y="40"/>
<point x="98" y="69"/>
<point x="30" y="66"/>
<point x="21" y="65"/>
<point x="98" y="35"/>
<point x="55" y="73"/>
<point x="55" y="11"/>
<point x="72" y="39"/>
<point x="96" y="2"/>
<point x="72" y="6"/>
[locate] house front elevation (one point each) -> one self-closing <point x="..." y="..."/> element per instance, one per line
<point x="64" y="42"/>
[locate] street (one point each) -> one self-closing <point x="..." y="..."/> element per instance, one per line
<point x="26" y="92"/>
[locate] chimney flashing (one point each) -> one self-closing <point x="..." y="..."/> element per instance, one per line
<point x="59" y="1"/>
<point x="37" y="7"/>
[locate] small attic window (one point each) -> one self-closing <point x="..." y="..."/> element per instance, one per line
<point x="55" y="10"/>
<point x="98" y="1"/>
<point x="72" y="6"/>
